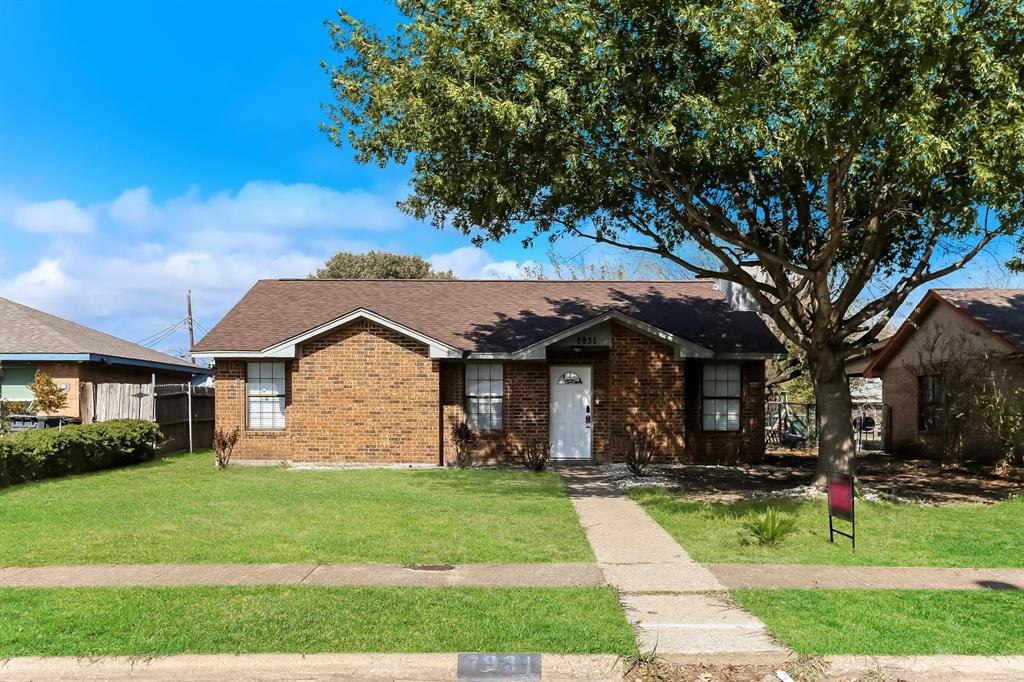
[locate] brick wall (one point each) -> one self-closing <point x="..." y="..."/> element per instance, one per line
<point x="637" y="385"/>
<point x="646" y="394"/>
<point x="525" y="416"/>
<point x="360" y="394"/>
<point x="367" y="394"/>
<point x="724" y="447"/>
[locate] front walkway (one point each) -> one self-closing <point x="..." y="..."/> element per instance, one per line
<point x="363" y="575"/>
<point x="680" y="608"/>
<point x="772" y="576"/>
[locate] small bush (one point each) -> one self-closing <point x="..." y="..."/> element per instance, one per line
<point x="48" y="398"/>
<point x="535" y="454"/>
<point x="463" y="439"/>
<point x="768" y="528"/>
<point x="46" y="453"/>
<point x="639" y="453"/>
<point x="223" y="443"/>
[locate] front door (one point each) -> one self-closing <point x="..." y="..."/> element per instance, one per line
<point x="571" y="417"/>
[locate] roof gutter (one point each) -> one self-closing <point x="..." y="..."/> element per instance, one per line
<point x="103" y="359"/>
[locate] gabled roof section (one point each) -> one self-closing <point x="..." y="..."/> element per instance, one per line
<point x="1000" y="312"/>
<point x="487" y="317"/>
<point x="30" y="334"/>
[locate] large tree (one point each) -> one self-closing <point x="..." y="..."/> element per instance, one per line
<point x="378" y="265"/>
<point x="851" y="151"/>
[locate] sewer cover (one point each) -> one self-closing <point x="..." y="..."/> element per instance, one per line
<point x="429" y="567"/>
<point x="488" y="667"/>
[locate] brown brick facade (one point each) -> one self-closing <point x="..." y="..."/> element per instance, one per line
<point x="361" y="394"/>
<point x="720" y="447"/>
<point x="367" y="394"/>
<point x="637" y="385"/>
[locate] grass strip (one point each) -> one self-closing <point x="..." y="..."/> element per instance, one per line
<point x="892" y="622"/>
<point x="887" y="534"/>
<point x="176" y="620"/>
<point x="182" y="510"/>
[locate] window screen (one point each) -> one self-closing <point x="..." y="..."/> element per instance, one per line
<point x="485" y="388"/>
<point x="265" y="395"/>
<point x="931" y="394"/>
<point x="721" y="393"/>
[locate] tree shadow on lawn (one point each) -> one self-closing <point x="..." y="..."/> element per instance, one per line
<point x="663" y="499"/>
<point x="919" y="480"/>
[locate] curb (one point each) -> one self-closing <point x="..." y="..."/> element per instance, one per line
<point x="306" y="667"/>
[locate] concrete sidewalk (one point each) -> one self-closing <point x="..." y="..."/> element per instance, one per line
<point x="768" y="576"/>
<point x="679" y="606"/>
<point x="366" y="575"/>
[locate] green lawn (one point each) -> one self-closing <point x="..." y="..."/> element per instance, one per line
<point x="172" y="620"/>
<point x="892" y="622"/>
<point x="182" y="510"/>
<point x="887" y="534"/>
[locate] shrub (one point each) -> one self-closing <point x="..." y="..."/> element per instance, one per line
<point x="535" y="454"/>
<point x="639" y="453"/>
<point x="463" y="440"/>
<point x="768" y="528"/>
<point x="48" y="398"/>
<point x="223" y="443"/>
<point x="45" y="453"/>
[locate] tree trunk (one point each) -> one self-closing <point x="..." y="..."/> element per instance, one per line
<point x="834" y="413"/>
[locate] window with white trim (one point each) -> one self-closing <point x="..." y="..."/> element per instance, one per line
<point x="265" y="395"/>
<point x="485" y="390"/>
<point x="721" y="390"/>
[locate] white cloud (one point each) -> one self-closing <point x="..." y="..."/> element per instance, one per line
<point x="470" y="262"/>
<point x="128" y="275"/>
<point x="56" y="216"/>
<point x="262" y="205"/>
<point x="218" y="245"/>
<point x="135" y="207"/>
<point x="142" y="290"/>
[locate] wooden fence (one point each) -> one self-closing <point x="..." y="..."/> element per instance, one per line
<point x="166" y="404"/>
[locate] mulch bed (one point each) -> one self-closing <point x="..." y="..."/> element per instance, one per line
<point x="921" y="480"/>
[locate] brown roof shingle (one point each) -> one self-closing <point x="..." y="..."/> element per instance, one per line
<point x="25" y="330"/>
<point x="488" y="315"/>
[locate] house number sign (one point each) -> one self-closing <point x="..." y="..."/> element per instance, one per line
<point x="487" y="667"/>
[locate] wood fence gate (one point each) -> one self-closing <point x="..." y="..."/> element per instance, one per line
<point x="169" y="405"/>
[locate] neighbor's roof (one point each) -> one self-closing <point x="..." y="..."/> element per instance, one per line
<point x="488" y="316"/>
<point x="32" y="333"/>
<point x="999" y="311"/>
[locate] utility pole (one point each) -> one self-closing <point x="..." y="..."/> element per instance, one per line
<point x="191" y="331"/>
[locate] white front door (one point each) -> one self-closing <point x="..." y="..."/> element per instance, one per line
<point x="571" y="417"/>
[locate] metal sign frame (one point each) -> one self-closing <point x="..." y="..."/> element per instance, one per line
<point x="840" y="506"/>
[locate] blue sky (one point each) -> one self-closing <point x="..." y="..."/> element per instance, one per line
<point x="147" y="148"/>
<point x="150" y="148"/>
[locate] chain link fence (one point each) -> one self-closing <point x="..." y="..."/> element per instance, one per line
<point x="795" y="425"/>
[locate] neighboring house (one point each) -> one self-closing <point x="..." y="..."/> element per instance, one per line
<point x="380" y="371"/>
<point x="862" y="389"/>
<point x="957" y="346"/>
<point x="74" y="356"/>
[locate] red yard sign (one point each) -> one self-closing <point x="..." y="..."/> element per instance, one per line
<point x="840" y="504"/>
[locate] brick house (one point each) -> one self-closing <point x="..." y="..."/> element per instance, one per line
<point x="955" y="340"/>
<point x="380" y="371"/>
